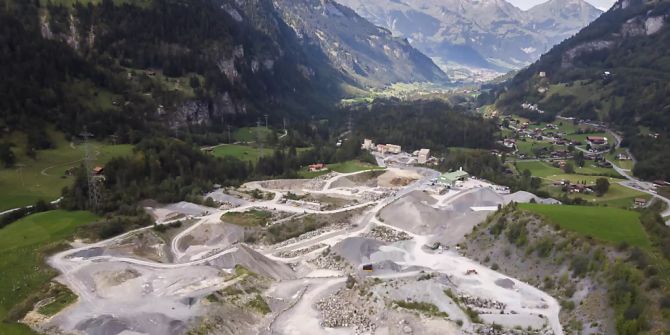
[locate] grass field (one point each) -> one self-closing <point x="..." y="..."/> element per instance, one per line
<point x="43" y="178"/>
<point x="602" y="223"/>
<point x="23" y="246"/>
<point x="344" y="167"/>
<point x="250" y="134"/>
<point x="537" y="168"/>
<point x="242" y="152"/>
<point x="245" y="152"/>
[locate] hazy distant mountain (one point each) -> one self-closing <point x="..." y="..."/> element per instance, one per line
<point x="481" y="33"/>
<point x="360" y="49"/>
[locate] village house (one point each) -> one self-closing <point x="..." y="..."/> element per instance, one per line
<point x="623" y="157"/>
<point x="596" y="141"/>
<point x="317" y="167"/>
<point x="98" y="170"/>
<point x="640" y="202"/>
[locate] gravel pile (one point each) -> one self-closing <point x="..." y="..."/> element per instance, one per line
<point x="337" y="312"/>
<point x="387" y="234"/>
<point x="298" y="252"/>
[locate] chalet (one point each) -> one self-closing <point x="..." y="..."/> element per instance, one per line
<point x="98" y="170"/>
<point x="596" y="140"/>
<point x="579" y="188"/>
<point x="661" y="182"/>
<point x="509" y="143"/>
<point x="317" y="167"/>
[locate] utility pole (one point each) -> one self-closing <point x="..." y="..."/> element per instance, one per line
<point x="284" y="122"/>
<point x="229" y="140"/>
<point x="266" y="121"/>
<point x="94" y="194"/>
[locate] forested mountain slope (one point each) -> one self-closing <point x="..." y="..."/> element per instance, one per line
<point x="617" y="70"/>
<point x="128" y="68"/>
<point x="119" y="68"/>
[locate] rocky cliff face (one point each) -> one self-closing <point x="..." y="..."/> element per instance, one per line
<point x="368" y="54"/>
<point x="479" y="33"/>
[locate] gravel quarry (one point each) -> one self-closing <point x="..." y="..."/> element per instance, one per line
<point x="393" y="266"/>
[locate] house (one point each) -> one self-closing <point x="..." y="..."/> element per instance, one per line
<point x="424" y="155"/>
<point x="661" y="182"/>
<point x="623" y="157"/>
<point x="317" y="167"/>
<point x="509" y="143"/>
<point x="367" y="267"/>
<point x="98" y="170"/>
<point x="381" y="148"/>
<point x="578" y="188"/>
<point x="596" y="140"/>
<point x="450" y="178"/>
<point x="640" y="202"/>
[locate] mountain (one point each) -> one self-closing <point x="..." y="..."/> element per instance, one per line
<point x="490" y="34"/>
<point x="616" y="70"/>
<point x="367" y="53"/>
<point x="119" y="67"/>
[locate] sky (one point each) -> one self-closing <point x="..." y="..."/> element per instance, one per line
<point x="525" y="4"/>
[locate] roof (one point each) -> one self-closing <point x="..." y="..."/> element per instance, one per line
<point x="595" y="138"/>
<point x="454" y="176"/>
<point x="424" y="152"/>
<point x="640" y="200"/>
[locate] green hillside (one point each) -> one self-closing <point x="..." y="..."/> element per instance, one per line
<point x="615" y="70"/>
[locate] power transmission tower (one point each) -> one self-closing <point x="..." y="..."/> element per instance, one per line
<point x="258" y="138"/>
<point x="94" y="192"/>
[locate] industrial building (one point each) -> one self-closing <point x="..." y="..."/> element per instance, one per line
<point x="449" y="179"/>
<point x="424" y="155"/>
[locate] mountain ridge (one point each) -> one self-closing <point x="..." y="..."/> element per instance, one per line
<point x="492" y="34"/>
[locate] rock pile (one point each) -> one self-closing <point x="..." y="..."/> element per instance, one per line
<point x="298" y="252"/>
<point x="387" y="234"/>
<point x="312" y="234"/>
<point x="491" y="330"/>
<point x="482" y="302"/>
<point x="331" y="261"/>
<point x="337" y="312"/>
<point x="317" y="183"/>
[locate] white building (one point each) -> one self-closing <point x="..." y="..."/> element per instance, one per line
<point x="367" y="144"/>
<point x="393" y="148"/>
<point x="424" y="155"/>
